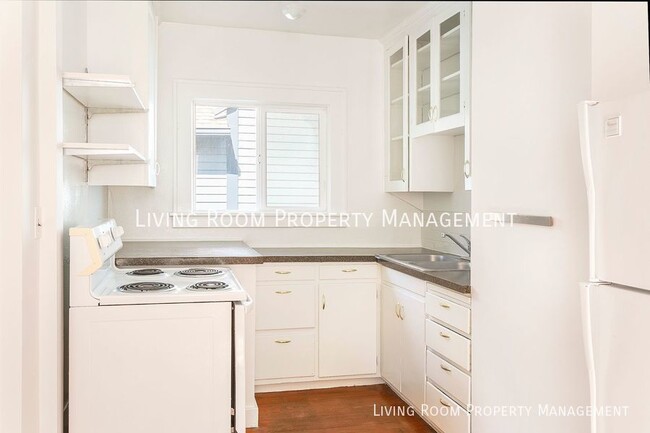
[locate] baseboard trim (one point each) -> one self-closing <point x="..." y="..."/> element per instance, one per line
<point x="252" y="415"/>
<point x="317" y="384"/>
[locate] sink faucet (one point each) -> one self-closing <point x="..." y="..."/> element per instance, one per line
<point x="467" y="248"/>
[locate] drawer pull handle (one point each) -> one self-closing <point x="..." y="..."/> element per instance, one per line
<point x="443" y="335"/>
<point x="349" y="270"/>
<point x="397" y="310"/>
<point x="445" y="306"/>
<point x="283" y="341"/>
<point x="283" y="292"/>
<point x="445" y="404"/>
<point x="401" y="311"/>
<point x="448" y="370"/>
<point x="324" y="301"/>
<point x="283" y="272"/>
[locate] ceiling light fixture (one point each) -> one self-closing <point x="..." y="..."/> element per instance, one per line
<point x="293" y="11"/>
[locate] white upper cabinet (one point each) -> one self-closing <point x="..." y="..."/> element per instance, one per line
<point x="421" y="78"/>
<point x="397" y="143"/>
<point x="451" y="68"/>
<point x="122" y="40"/>
<point x="431" y="57"/>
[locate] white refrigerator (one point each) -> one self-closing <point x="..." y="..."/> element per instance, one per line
<point x="615" y="141"/>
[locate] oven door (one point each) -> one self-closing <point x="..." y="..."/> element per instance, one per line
<point x="163" y="368"/>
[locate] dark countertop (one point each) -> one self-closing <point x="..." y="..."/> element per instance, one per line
<point x="194" y="253"/>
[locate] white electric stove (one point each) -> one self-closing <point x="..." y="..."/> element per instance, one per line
<point x="152" y="349"/>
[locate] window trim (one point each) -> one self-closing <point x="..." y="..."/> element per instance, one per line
<point x="333" y="101"/>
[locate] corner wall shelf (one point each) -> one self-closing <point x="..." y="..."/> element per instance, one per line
<point x="104" y="153"/>
<point x="103" y="93"/>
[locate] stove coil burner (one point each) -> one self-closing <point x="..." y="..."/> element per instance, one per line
<point x="209" y="285"/>
<point x="200" y="272"/>
<point x="148" y="271"/>
<point x="147" y="286"/>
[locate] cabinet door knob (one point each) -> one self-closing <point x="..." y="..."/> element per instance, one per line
<point x="323" y="301"/>
<point x="397" y="310"/>
<point x="401" y="311"/>
<point x="282" y="272"/>
<point x="283" y="341"/>
<point x="467" y="169"/>
<point x="283" y="292"/>
<point x="443" y="335"/>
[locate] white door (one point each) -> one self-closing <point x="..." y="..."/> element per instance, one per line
<point x="151" y="368"/>
<point x="390" y="332"/>
<point x="347" y="329"/>
<point x="620" y="356"/>
<point x="413" y="346"/>
<point x="617" y="186"/>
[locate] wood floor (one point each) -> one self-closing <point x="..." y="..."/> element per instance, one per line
<point x="335" y="410"/>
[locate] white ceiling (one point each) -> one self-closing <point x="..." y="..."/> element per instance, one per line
<point x="358" y="19"/>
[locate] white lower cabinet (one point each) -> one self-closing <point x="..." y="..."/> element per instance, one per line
<point x="445" y="413"/>
<point x="285" y="354"/>
<point x="402" y="342"/>
<point x="347" y="329"/>
<point x="448" y="377"/>
<point x="316" y="321"/>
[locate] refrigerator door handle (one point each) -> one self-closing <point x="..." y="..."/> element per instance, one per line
<point x="586" y="147"/>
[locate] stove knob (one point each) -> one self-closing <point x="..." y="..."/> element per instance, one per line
<point x="105" y="240"/>
<point x="117" y="232"/>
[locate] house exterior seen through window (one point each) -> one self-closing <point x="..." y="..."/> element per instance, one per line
<point x="252" y="159"/>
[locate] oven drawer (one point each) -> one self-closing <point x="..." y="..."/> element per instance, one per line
<point x="449" y="344"/>
<point x="444" y="412"/>
<point x="455" y="315"/>
<point x="284" y="354"/>
<point x="348" y="271"/>
<point x="287" y="272"/>
<point x="285" y="306"/>
<point x="454" y="381"/>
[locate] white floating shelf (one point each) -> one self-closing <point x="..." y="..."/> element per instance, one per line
<point x="424" y="47"/>
<point x="103" y="92"/>
<point x="423" y="88"/>
<point x="398" y="138"/>
<point x="397" y="63"/>
<point x="103" y="152"/>
<point x="398" y="99"/>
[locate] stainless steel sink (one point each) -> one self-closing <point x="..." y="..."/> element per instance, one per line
<point x="429" y="262"/>
<point x="442" y="266"/>
<point x="424" y="257"/>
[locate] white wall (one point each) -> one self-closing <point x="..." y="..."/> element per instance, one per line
<point x="530" y="68"/>
<point x="458" y="201"/>
<point x="239" y="55"/>
<point x="619" y="51"/>
<point x="81" y="204"/>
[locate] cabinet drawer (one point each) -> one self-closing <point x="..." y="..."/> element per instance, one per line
<point x="285" y="306"/>
<point x="287" y="272"/>
<point x="449" y="344"/>
<point x="444" y="412"/>
<point x="404" y="281"/>
<point x="455" y="382"/>
<point x="283" y="354"/>
<point x="455" y="315"/>
<point x="347" y="271"/>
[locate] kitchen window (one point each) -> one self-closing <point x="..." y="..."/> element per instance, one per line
<point x="257" y="149"/>
<point x="250" y="158"/>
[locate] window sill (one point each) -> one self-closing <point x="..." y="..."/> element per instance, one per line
<point x="289" y="219"/>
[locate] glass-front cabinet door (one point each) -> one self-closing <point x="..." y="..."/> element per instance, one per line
<point x="451" y="69"/>
<point x="397" y="115"/>
<point x="422" y="109"/>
